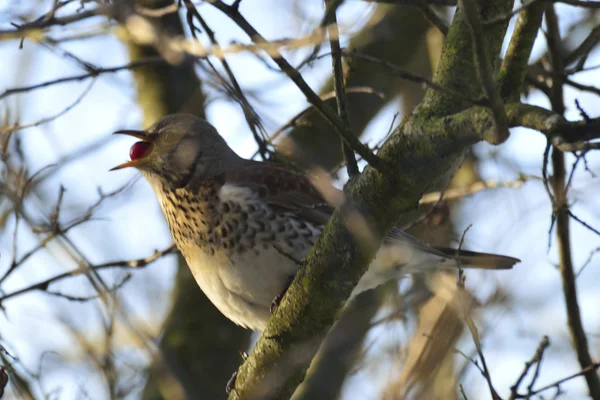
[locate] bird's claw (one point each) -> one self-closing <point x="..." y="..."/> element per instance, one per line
<point x="231" y="383"/>
<point x="275" y="303"/>
<point x="277" y="300"/>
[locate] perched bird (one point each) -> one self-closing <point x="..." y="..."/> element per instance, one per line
<point x="242" y="224"/>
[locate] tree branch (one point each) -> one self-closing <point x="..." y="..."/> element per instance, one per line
<point x="486" y="71"/>
<point x="127" y="264"/>
<point x="456" y="69"/>
<point x="35" y="28"/>
<point x="512" y="73"/>
<point x="92" y="74"/>
<point x="475" y="123"/>
<point x="340" y="91"/>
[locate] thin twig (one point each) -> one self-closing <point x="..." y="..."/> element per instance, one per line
<point x="536" y="359"/>
<point x="43" y="23"/>
<point x="95" y="73"/>
<point x="15" y="127"/>
<point x="310" y="95"/>
<point x="252" y="118"/>
<point x="128" y="264"/>
<point x="340" y="92"/>
<point x="588" y="261"/>
<point x="455" y="193"/>
<point x="587" y="370"/>
<point x="471" y="324"/>
<point x="295" y="120"/>
<point x="506" y="17"/>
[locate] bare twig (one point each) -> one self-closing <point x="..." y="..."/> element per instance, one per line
<point x="588" y="261"/>
<point x="45" y="22"/>
<point x="127" y="264"/>
<point x="476" y="339"/>
<point x="296" y="119"/>
<point x="582" y="222"/>
<point x="311" y="96"/>
<point x="592" y="368"/>
<point x="15" y="127"/>
<point x="340" y="91"/>
<point x="81" y="77"/>
<point x="505" y="17"/>
<point x="536" y="359"/>
<point x="455" y="193"/>
<point x="250" y="114"/>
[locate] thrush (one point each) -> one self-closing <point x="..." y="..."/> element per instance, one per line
<point x="242" y="225"/>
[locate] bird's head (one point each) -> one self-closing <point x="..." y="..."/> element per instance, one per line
<point x="179" y="149"/>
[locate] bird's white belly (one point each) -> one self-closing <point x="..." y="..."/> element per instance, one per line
<point x="242" y="286"/>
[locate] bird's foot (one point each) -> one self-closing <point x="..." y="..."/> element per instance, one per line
<point x="277" y="300"/>
<point x="231" y="383"/>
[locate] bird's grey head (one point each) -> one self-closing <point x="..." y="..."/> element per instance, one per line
<point x="178" y="150"/>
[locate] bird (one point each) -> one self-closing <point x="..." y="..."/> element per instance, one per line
<point x="244" y="225"/>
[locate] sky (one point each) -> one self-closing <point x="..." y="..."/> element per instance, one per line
<point x="508" y="221"/>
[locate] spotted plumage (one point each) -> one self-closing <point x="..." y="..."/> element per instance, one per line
<point x="243" y="226"/>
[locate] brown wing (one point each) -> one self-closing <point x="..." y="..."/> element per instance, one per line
<point x="284" y="189"/>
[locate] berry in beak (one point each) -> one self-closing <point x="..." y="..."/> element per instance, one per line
<point x="138" y="150"/>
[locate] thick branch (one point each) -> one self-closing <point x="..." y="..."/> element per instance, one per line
<point x="512" y="74"/>
<point x="475" y="123"/>
<point x="485" y="70"/>
<point x="456" y="69"/>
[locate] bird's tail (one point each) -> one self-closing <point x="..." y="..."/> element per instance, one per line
<point x="472" y="259"/>
<point x="405" y="257"/>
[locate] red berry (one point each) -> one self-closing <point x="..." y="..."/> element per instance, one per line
<point x="139" y="150"/>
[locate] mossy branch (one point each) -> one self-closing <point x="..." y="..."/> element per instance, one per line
<point x="512" y="73"/>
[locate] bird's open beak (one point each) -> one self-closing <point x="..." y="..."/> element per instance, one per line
<point x="143" y="136"/>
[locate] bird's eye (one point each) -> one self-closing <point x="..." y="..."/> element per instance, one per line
<point x="140" y="150"/>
